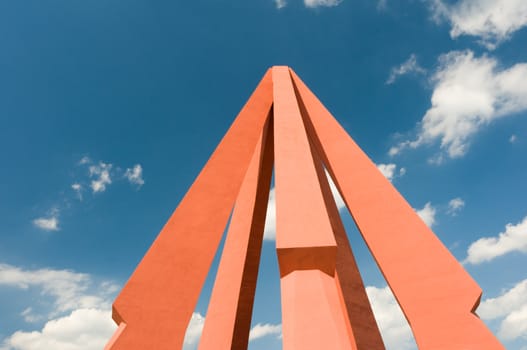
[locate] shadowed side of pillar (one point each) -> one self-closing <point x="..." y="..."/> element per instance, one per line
<point x="356" y="305"/>
<point x="228" y="319"/>
<point x="157" y="302"/>
<point x="434" y="291"/>
<point x="312" y="315"/>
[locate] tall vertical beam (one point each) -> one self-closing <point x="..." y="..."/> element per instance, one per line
<point x="312" y="316"/>
<point x="228" y="320"/>
<point x="355" y="303"/>
<point x="436" y="294"/>
<point x="156" y="304"/>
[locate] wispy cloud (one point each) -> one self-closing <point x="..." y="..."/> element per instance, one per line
<point x="98" y="177"/>
<point x="30" y="316"/>
<point x="310" y="3"/>
<point x="261" y="330"/>
<point x="280" y="3"/>
<point x="67" y="290"/>
<point x="513" y="239"/>
<point x="455" y="205"/>
<point x="382" y="5"/>
<point x="85" y="160"/>
<point x="511" y="309"/>
<point x="469" y="93"/>
<point x="77" y="188"/>
<point x="101" y="176"/>
<point x="321" y="3"/>
<point x="49" y="222"/>
<point x="410" y="66"/>
<point x="135" y="175"/>
<point x="491" y="21"/>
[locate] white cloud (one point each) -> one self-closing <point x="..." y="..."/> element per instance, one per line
<point x="79" y="316"/>
<point x="469" y="93"/>
<point x="514" y="239"/>
<point x="135" y="175"/>
<point x="394" y="328"/>
<point x="77" y="187"/>
<point x="427" y="214"/>
<point x="321" y="3"/>
<point x="50" y="223"/>
<point x="280" y="3"/>
<point x="85" y="160"/>
<point x="194" y="329"/>
<point x="270" y="219"/>
<point x="101" y="173"/>
<point x="511" y="300"/>
<point x="513" y="138"/>
<point x="310" y="3"/>
<point x="29" y="316"/>
<point x="492" y="21"/>
<point x="68" y="290"/>
<point x="407" y="67"/>
<point x="261" y="330"/>
<point x="83" y="329"/>
<point x="514" y="325"/>
<point x="455" y="205"/>
<point x="390" y="171"/>
<point x="511" y="308"/>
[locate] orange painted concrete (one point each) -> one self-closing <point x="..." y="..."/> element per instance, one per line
<point x="323" y="299"/>
<point x="312" y="318"/>
<point x="228" y="320"/>
<point x="304" y="239"/>
<point x="312" y="315"/>
<point x="362" y="326"/>
<point x="158" y="300"/>
<point x="434" y="291"/>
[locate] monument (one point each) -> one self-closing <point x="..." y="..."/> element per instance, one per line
<point x="324" y="303"/>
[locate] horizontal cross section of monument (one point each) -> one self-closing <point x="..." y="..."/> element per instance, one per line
<point x="324" y="302"/>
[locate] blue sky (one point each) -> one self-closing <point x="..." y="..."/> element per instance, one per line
<point x="109" y="109"/>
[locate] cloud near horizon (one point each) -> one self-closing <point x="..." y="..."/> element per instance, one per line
<point x="510" y="308"/>
<point x="77" y="309"/>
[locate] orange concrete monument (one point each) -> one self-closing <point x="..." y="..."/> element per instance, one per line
<point x="324" y="303"/>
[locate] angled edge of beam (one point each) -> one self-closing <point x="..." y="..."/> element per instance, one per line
<point x="157" y="302"/>
<point x="436" y="294"/>
<point x="229" y="314"/>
